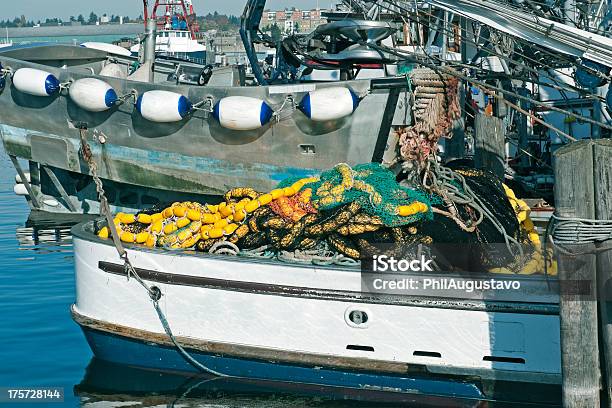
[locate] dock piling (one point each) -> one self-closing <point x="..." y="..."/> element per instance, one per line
<point x="489" y="144"/>
<point x="602" y="169"/>
<point x="583" y="189"/>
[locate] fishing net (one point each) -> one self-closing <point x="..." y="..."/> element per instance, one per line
<point x="374" y="188"/>
<point x="343" y="216"/>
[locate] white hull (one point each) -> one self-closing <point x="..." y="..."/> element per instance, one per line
<point x="174" y="42"/>
<point x="303" y="310"/>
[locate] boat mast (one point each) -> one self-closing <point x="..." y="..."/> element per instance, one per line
<point x="171" y="6"/>
<point x="145" y="14"/>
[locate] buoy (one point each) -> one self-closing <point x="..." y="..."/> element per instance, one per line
<point x="27" y="176"/>
<point x="329" y="103"/>
<point x="2" y="78"/>
<point x="35" y="82"/>
<point x="93" y="94"/>
<point x="163" y="106"/>
<point x="242" y="112"/>
<point x="51" y="202"/>
<point x="20" y="189"/>
<point x="588" y="79"/>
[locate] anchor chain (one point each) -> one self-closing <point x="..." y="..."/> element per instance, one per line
<point x="154" y="292"/>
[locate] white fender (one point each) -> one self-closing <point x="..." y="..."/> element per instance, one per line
<point x="329" y="103"/>
<point x="35" y="82"/>
<point x="20" y="189"/>
<point x="18" y="177"/>
<point x="163" y="106"/>
<point x="93" y="94"/>
<point x="51" y="202"/>
<point x="242" y="112"/>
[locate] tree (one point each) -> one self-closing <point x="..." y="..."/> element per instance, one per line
<point x="93" y="18"/>
<point x="275" y="32"/>
<point x="81" y="19"/>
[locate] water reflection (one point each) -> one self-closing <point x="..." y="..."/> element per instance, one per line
<point x="45" y="235"/>
<point x="111" y="385"/>
<point x="48" y="233"/>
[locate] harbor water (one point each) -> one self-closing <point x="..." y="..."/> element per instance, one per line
<point x="40" y="345"/>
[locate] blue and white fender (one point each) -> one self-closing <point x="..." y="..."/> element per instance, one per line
<point x="329" y="103"/>
<point x="35" y="82"/>
<point x="2" y="78"/>
<point x="242" y="112"/>
<point x="93" y="94"/>
<point x="163" y="106"/>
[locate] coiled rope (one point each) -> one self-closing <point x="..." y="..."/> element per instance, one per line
<point x="565" y="231"/>
<point x="154" y="292"/>
<point x="436" y="105"/>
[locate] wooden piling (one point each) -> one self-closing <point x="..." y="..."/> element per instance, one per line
<point x="602" y="170"/>
<point x="489" y="144"/>
<point x="575" y="197"/>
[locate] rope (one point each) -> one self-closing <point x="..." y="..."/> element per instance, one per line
<point x="262" y="252"/>
<point x="436" y="105"/>
<point x="444" y="183"/>
<point x="153" y="291"/>
<point x="580" y="230"/>
<point x="224" y="248"/>
<point x="565" y="231"/>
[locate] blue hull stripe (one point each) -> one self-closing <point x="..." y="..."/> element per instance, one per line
<point x="122" y="350"/>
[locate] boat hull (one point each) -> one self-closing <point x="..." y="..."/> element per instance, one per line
<point x="150" y="355"/>
<point x="281" y="322"/>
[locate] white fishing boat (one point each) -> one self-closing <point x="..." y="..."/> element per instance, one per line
<point x="308" y="325"/>
<point x="176" y="43"/>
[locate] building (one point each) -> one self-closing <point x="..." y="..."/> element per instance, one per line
<point x="293" y="20"/>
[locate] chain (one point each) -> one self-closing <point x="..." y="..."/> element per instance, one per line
<point x="154" y="292"/>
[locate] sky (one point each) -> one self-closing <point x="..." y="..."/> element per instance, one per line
<point x="41" y="9"/>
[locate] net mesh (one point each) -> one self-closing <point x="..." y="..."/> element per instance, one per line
<point x="373" y="187"/>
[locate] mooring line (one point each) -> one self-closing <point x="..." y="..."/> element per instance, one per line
<point x="154" y="292"/>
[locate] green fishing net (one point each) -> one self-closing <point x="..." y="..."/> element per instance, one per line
<point x="373" y="187"/>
